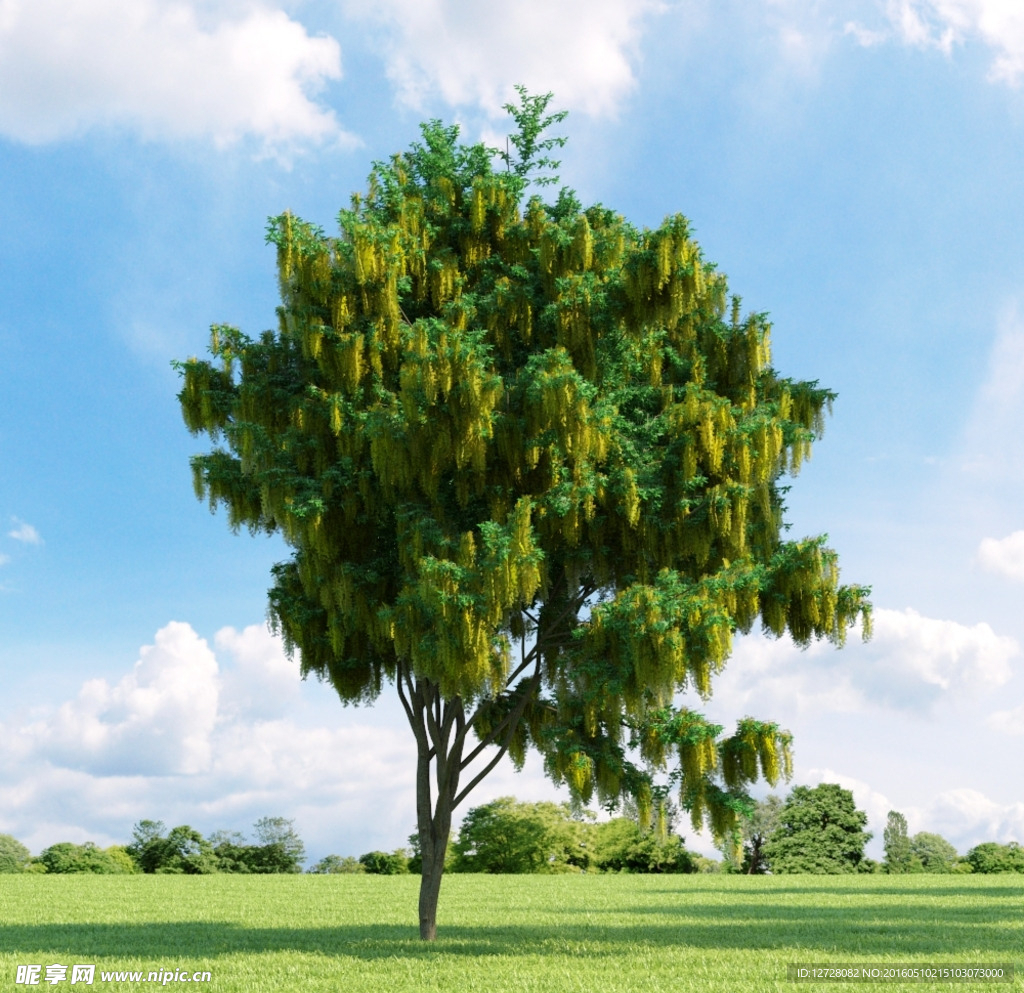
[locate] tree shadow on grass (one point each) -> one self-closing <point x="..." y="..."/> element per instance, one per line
<point x="917" y="931"/>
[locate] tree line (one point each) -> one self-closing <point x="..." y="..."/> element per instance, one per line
<point x="182" y="850"/>
<point x="815" y="830"/>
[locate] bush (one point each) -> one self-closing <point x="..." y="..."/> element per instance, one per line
<point x="67" y="857"/>
<point x="14" y="856"/>
<point x="395" y="863"/>
<point x="620" y="846"/>
<point x="335" y="864"/>
<point x="991" y="857"/>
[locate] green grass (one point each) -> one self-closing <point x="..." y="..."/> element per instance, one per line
<point x="599" y="934"/>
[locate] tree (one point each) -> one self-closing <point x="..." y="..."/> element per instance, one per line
<point x="820" y="831"/>
<point x="897" y="844"/>
<point x="510" y="836"/>
<point x="67" y="857"/>
<point x="487" y="423"/>
<point x="991" y="857"/>
<point x="935" y="854"/>
<point x="183" y="850"/>
<point x="282" y="848"/>
<point x="394" y="863"/>
<point x="620" y="845"/>
<point x="757" y="828"/>
<point x="14" y="856"/>
<point x="337" y="864"/>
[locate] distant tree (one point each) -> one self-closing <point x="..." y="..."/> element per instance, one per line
<point x="337" y="864"/>
<point x="122" y="857"/>
<point x="144" y="833"/>
<point x="820" y="831"/>
<point x="991" y="857"/>
<point x="486" y="422"/>
<point x="14" y="856"/>
<point x="935" y="854"/>
<point x="67" y="857"/>
<point x="183" y="850"/>
<point x="394" y="863"/>
<point x="284" y="849"/>
<point x="511" y="836"/>
<point x="756" y="828"/>
<point x="620" y="845"/>
<point x="897" y="844"/>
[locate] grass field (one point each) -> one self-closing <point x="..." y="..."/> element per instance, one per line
<point x="507" y="933"/>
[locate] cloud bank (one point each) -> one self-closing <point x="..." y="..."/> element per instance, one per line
<point x="471" y="54"/>
<point x="166" y="68"/>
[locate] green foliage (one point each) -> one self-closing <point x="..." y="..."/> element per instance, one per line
<point x="820" y="831"/>
<point x="331" y="865"/>
<point x="67" y="857"/>
<point x="510" y="836"/>
<point x="619" y="845"/>
<point x="897" y="845"/>
<point x="991" y="857"/>
<point x="933" y="853"/>
<point x="184" y="850"/>
<point x="281" y="848"/>
<point x="394" y="863"/>
<point x="14" y="856"/>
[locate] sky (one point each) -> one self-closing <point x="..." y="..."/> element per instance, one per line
<point x="852" y="166"/>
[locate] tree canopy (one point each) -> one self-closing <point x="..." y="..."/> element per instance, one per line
<point x="530" y="458"/>
<point x="820" y="830"/>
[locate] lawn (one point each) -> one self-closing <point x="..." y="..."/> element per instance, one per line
<point x="598" y="934"/>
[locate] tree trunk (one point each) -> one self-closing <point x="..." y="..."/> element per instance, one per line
<point x="430" y="886"/>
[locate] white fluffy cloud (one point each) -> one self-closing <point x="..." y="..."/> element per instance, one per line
<point x="217" y="737"/>
<point x="944" y="24"/>
<point x="910" y="663"/>
<point x="1004" y="556"/>
<point x="167" y="68"/>
<point x="472" y="53"/>
<point x="24" y="532"/>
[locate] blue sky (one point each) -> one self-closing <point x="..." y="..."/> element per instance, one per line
<point x="853" y="167"/>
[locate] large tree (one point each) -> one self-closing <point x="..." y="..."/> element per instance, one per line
<point x="820" y="830"/>
<point x="530" y="459"/>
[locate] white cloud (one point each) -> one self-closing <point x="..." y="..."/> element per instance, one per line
<point x="218" y="738"/>
<point x="1008" y="721"/>
<point x="910" y="664"/>
<point x="472" y="53"/>
<point x="163" y="68"/>
<point x="944" y="24"/>
<point x="24" y="532"/>
<point x="967" y="818"/>
<point x="157" y="720"/>
<point x="1004" y="556"/>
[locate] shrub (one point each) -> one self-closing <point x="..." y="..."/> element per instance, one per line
<point x="394" y="863"/>
<point x="991" y="857"/>
<point x="67" y="857"/>
<point x="334" y="864"/>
